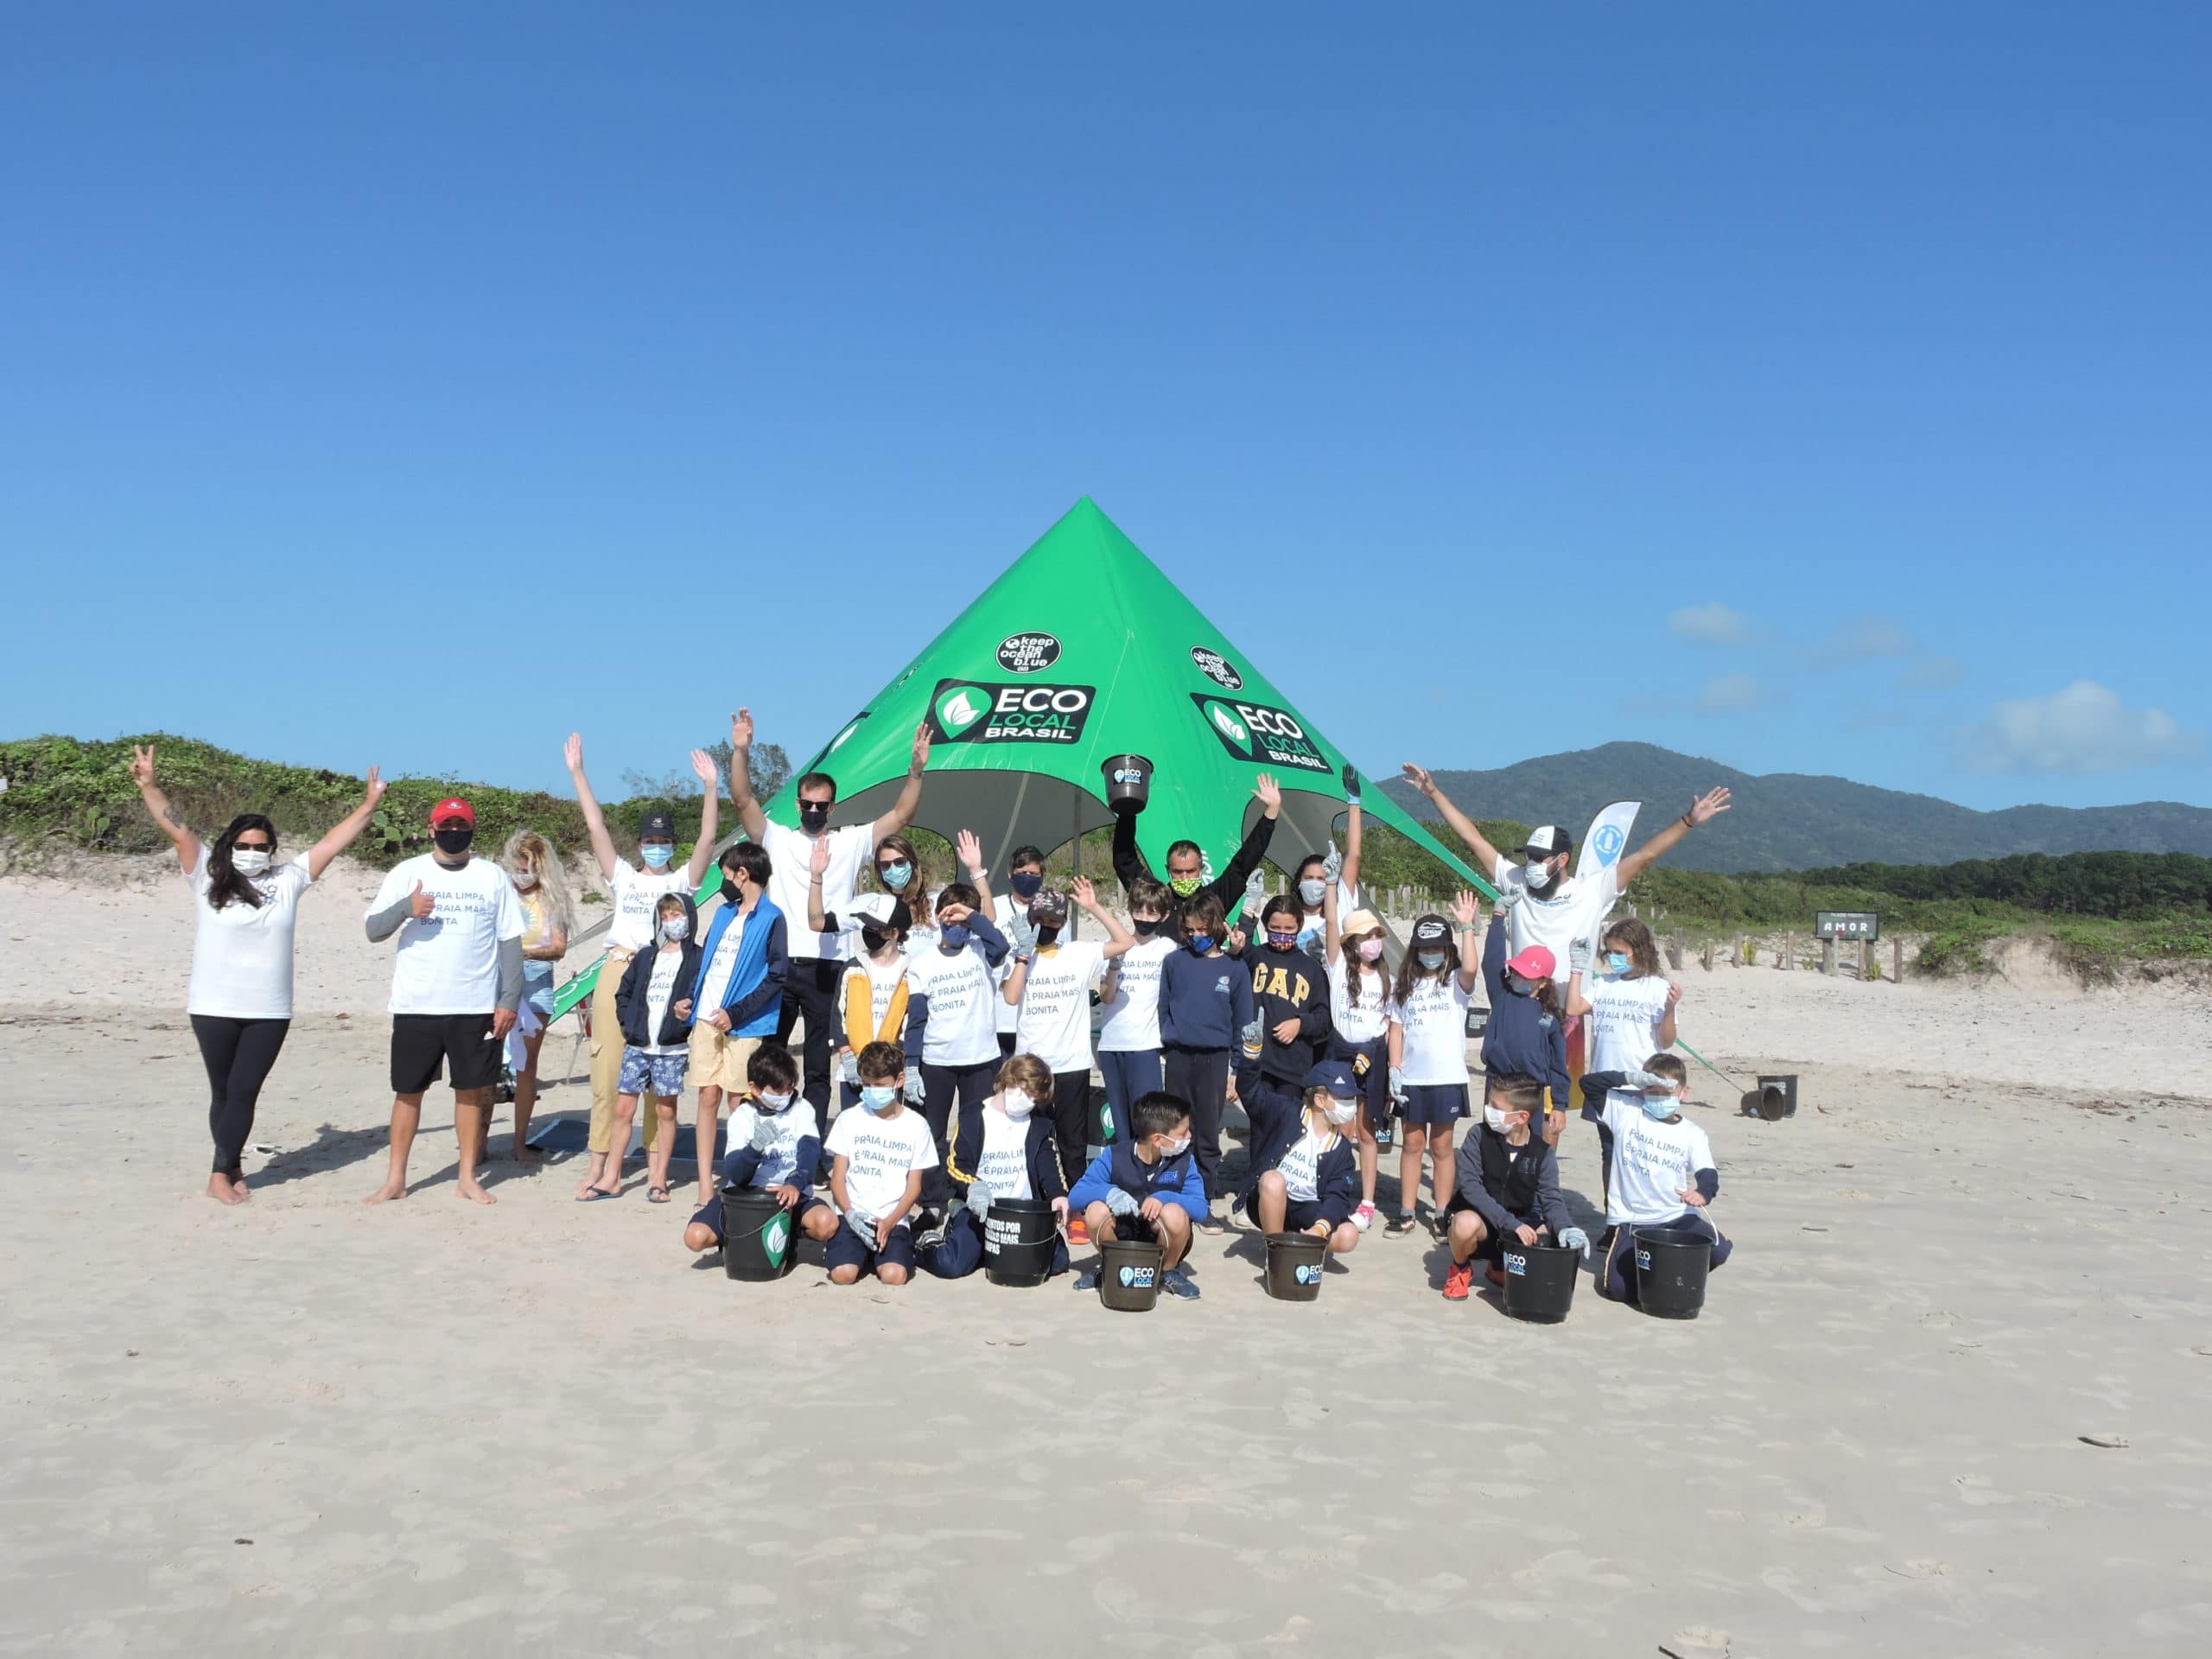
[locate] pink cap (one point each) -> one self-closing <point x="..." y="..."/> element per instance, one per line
<point x="1535" y="962"/>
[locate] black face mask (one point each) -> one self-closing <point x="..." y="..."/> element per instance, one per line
<point x="1145" y="927"/>
<point x="872" y="940"/>
<point x="813" y="816"/>
<point x="453" y="843"/>
<point x="731" y="894"/>
<point x="1047" y="936"/>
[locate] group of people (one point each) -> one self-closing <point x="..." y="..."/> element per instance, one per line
<point x="960" y="1031"/>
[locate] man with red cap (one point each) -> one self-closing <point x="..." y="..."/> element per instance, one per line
<point x="455" y="985"/>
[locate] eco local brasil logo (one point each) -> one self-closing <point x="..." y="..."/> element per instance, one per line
<point x="975" y="711"/>
<point x="1255" y="732"/>
<point x="1029" y="653"/>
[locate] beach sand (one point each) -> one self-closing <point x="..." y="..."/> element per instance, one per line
<point x="305" y="1425"/>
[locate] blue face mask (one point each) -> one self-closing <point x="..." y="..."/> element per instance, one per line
<point x="879" y="1099"/>
<point x="1027" y="884"/>
<point x="1200" y="944"/>
<point x="657" y="853"/>
<point x="953" y="938"/>
<point x="1617" y="964"/>
<point x="1659" y="1108"/>
<point x="896" y="876"/>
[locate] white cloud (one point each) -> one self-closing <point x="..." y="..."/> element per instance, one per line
<point x="1865" y="638"/>
<point x="1736" y="694"/>
<point x="1933" y="673"/>
<point x="2083" y="729"/>
<point x="1713" y="624"/>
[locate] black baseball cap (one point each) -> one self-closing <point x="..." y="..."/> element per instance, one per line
<point x="1432" y="930"/>
<point x="657" y="825"/>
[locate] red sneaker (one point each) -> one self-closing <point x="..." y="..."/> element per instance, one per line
<point x="1458" y="1281"/>
<point x="1496" y="1275"/>
<point x="1077" y="1233"/>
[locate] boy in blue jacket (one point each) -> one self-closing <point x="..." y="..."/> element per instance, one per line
<point x="1304" y="1174"/>
<point x="1205" y="1011"/>
<point x="1008" y="1151"/>
<point x="1148" y="1187"/>
<point x="775" y="1144"/>
<point x="737" y="993"/>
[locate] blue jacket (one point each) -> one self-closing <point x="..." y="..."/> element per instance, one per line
<point x="1172" y="1180"/>
<point x="755" y="995"/>
<point x="1521" y="1040"/>
<point x="1205" y="1002"/>
<point x="1277" y="1121"/>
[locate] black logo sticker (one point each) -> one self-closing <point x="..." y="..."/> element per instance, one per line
<point x="1029" y="653"/>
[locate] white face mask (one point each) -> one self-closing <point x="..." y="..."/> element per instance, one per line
<point x="1174" y="1148"/>
<point x="1537" y="873"/>
<point x="249" y="861"/>
<point x="1495" y="1119"/>
<point x="1370" y="949"/>
<point x="1342" y="1112"/>
<point x="1017" y="1105"/>
<point x="526" y="880"/>
<point x="1313" y="892"/>
<point x="674" y="928"/>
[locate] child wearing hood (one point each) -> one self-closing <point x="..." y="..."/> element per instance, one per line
<point x="1007" y="1152"/>
<point x="653" y="1005"/>
<point x="1508" y="1186"/>
<point x="1663" y="1173"/>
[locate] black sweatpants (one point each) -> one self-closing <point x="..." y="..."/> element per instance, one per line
<point x="1200" y="1075"/>
<point x="239" y="1054"/>
<point x="811" y="994"/>
<point x="942" y="1085"/>
<point x="1071" y="1120"/>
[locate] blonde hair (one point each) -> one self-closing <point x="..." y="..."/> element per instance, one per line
<point x="1028" y="1073"/>
<point x="528" y="850"/>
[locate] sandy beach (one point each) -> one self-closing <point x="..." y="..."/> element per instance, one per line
<point x="1947" y="1398"/>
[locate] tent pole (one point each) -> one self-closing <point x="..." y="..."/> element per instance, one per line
<point x="1074" y="855"/>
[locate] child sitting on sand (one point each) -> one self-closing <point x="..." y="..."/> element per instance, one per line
<point x="1007" y="1151"/>
<point x="774" y="1144"/>
<point x="1507" y="1183"/>
<point x="879" y="1155"/>
<point x="1304" y="1174"/>
<point x="1146" y="1186"/>
<point x="1663" y="1173"/>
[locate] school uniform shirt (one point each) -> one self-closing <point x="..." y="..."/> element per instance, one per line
<point x="780" y="1138"/>
<point x="660" y="991"/>
<point x="1205" y="1002"/>
<point x="962" y="1028"/>
<point x="880" y="1151"/>
<point x="713" y="984"/>
<point x="241" y="954"/>
<point x="1572" y="907"/>
<point x="448" y="961"/>
<point x="1625" y="1015"/>
<point x="634" y="895"/>
<point x="789" y="854"/>
<point x="1301" y="1166"/>
<point x="1054" y="1021"/>
<point x="1368" y="1018"/>
<point x="1434" y="1015"/>
<point x="1132" y="1013"/>
<point x="1654" y="1163"/>
<point x="1003" y="1165"/>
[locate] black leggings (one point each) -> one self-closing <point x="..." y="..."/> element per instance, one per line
<point x="1200" y="1075"/>
<point x="239" y="1054"/>
<point x="811" y="994"/>
<point x="1071" y="1120"/>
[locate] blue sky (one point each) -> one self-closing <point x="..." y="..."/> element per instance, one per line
<point x="1821" y="389"/>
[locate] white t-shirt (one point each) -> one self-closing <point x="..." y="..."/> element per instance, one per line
<point x="882" y="979"/>
<point x="242" y="954"/>
<point x="660" y="991"/>
<point x="1301" y="1166"/>
<point x="1003" y="911"/>
<point x="775" y="1136"/>
<point x="1434" y="1015"/>
<point x="881" y="1150"/>
<point x="1003" y="1166"/>
<point x="714" y="983"/>
<point x="1055" y="1023"/>
<point x="1376" y="1008"/>
<point x="1572" y="909"/>
<point x="962" y="1029"/>
<point x="448" y="961"/>
<point x="634" y="894"/>
<point x="1625" y="1015"/>
<point x="1132" y="1012"/>
<point x="789" y="853"/>
<point x="1654" y="1163"/>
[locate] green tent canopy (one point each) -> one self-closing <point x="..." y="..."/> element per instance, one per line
<point x="1081" y="652"/>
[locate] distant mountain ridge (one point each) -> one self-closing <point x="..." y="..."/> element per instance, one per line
<point x="1790" y="821"/>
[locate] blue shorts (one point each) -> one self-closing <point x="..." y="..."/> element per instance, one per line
<point x="538" y="989"/>
<point x="1435" y="1103"/>
<point x="710" y="1214"/>
<point x="652" y="1074"/>
<point x="1617" y="1270"/>
<point x="845" y="1250"/>
<point x="1299" y="1214"/>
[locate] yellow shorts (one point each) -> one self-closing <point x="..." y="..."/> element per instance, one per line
<point x="718" y="1059"/>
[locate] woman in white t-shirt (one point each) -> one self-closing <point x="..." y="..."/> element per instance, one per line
<point x="240" y="1001"/>
<point x="548" y="917"/>
<point x="1629" y="1006"/>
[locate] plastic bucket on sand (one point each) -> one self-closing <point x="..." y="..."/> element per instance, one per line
<point x="1129" y="1276"/>
<point x="758" y="1235"/>
<point x="1764" y="1103"/>
<point x="1539" y="1280"/>
<point x="1018" y="1241"/>
<point x="1295" y="1265"/>
<point x="1785" y="1084"/>
<point x="1128" y="783"/>
<point x="1671" y="1265"/>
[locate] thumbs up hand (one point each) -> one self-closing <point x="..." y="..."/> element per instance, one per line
<point x="421" y="903"/>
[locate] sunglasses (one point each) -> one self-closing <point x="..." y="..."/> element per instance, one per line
<point x="254" y="846"/>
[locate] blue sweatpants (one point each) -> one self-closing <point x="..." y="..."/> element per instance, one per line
<point x="961" y="1253"/>
<point x="1617" y="1278"/>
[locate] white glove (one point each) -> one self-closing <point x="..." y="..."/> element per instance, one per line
<point x="979" y="1201"/>
<point x="1120" y="1201"/>
<point x="1507" y="898"/>
<point x="1021" y="931"/>
<point x="1651" y="1083"/>
<point x="1576" y="1239"/>
<point x="863" y="1227"/>
<point x="1578" y="956"/>
<point x="849" y="1068"/>
<point x="1398" y="1084"/>
<point x="1251" y="1037"/>
<point x="916" y="1092"/>
<point x="1332" y="867"/>
<point x="1256" y="895"/>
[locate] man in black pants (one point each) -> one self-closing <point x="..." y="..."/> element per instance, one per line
<point x="817" y="960"/>
<point x="1187" y="863"/>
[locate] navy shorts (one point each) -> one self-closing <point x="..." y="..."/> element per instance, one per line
<point x="844" y="1249"/>
<point x="710" y="1214"/>
<point x="1435" y="1103"/>
<point x="1135" y="1229"/>
<point x="1299" y="1214"/>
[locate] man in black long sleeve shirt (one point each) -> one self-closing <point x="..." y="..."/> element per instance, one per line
<point x="1186" y="862"/>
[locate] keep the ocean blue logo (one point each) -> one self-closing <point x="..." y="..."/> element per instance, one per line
<point x="1607" y="845"/>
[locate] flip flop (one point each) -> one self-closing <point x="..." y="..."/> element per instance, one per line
<point x="593" y="1195"/>
<point x="656" y="1195"/>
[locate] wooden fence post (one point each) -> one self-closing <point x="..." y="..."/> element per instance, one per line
<point x="1789" y="950"/>
<point x="1828" y="956"/>
<point x="1897" y="961"/>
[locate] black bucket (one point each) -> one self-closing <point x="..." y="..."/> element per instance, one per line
<point x="1018" y="1241"/>
<point x="760" y="1236"/>
<point x="1128" y="783"/>
<point x="1539" y="1280"/>
<point x="1295" y="1265"/>
<point x="1129" y="1276"/>
<point x="1671" y="1265"/>
<point x="1785" y="1084"/>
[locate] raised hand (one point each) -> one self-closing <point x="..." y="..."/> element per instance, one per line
<point x="573" y="752"/>
<point x="1674" y="994"/>
<point x="1708" y="806"/>
<point x="1270" y="796"/>
<point x="1085" y="893"/>
<point x="421" y="903"/>
<point x="740" y="730"/>
<point x="1236" y="942"/>
<point x="142" y="766"/>
<point x="1419" y="778"/>
<point x="818" y="860"/>
<point x="967" y="848"/>
<point x="953" y="915"/>
<point x="702" y="768"/>
<point x="1464" y="910"/>
<point x="376" y="789"/>
<point x="921" y="749"/>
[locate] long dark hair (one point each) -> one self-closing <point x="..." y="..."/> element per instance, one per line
<point x="223" y="882"/>
<point x="1410" y="973"/>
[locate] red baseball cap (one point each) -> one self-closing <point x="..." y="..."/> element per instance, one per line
<point x="1535" y="962"/>
<point x="446" y="811"/>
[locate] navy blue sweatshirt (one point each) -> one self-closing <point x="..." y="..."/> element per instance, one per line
<point x="1205" y="1002"/>
<point x="1288" y="985"/>
<point x="1521" y="1040"/>
<point x="1275" y="1130"/>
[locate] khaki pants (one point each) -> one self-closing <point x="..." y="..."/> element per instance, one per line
<point x="606" y="1047"/>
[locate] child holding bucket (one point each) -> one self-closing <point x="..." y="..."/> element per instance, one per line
<point x="653" y="1005"/>
<point x="1663" y="1174"/>
<point x="1428" y="1053"/>
<point x="1146" y="1186"/>
<point x="1507" y="1186"/>
<point x="881" y="1153"/>
<point x="775" y="1144"/>
<point x="1304" y="1174"/>
<point x="1007" y="1151"/>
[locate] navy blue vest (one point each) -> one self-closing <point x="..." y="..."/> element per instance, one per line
<point x="1140" y="1180"/>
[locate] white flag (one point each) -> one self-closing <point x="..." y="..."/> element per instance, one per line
<point x="1602" y="846"/>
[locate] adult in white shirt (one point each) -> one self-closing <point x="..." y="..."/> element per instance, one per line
<point x="817" y="959"/>
<point x="1050" y="987"/>
<point x="456" y="981"/>
<point x="633" y="891"/>
<point x="240" y="1000"/>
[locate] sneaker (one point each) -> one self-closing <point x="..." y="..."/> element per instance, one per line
<point x="1176" y="1283"/>
<point x="1458" y="1281"/>
<point x="932" y="1240"/>
<point x="1364" y="1217"/>
<point x="1077" y="1233"/>
<point x="1496" y="1275"/>
<point x="1087" y="1281"/>
<point x="1399" y="1224"/>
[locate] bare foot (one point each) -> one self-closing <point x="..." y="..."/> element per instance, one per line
<point x="237" y="1186"/>
<point x="475" y="1193"/>
<point x="388" y="1192"/>
<point x="529" y="1157"/>
<point x="220" y="1189"/>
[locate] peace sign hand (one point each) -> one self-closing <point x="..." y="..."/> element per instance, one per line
<point x="142" y="766"/>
